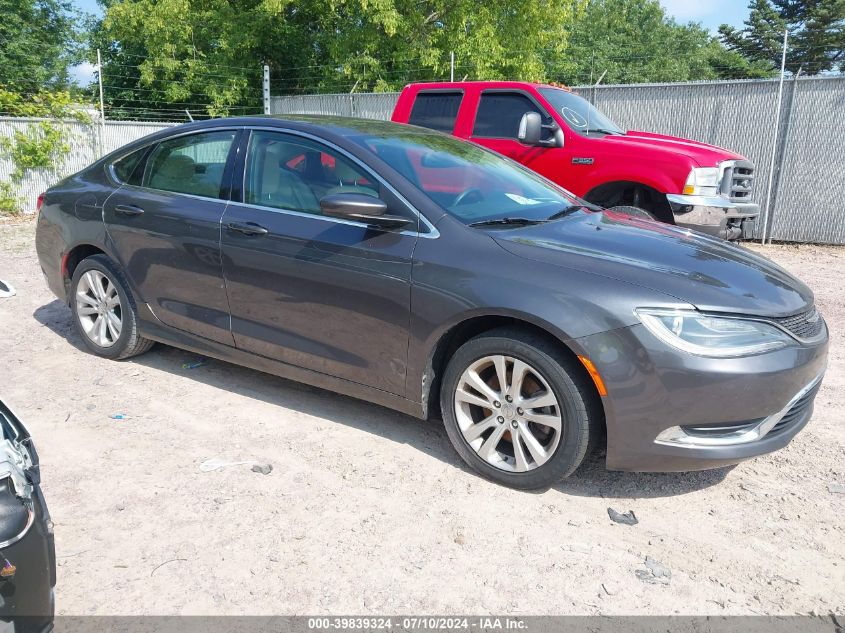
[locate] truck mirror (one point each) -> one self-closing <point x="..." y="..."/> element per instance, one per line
<point x="530" y="128"/>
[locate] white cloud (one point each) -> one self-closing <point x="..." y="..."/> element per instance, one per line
<point x="83" y="74"/>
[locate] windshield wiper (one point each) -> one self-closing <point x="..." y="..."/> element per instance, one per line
<point x="507" y="222"/>
<point x="572" y="208"/>
<point x="601" y="130"/>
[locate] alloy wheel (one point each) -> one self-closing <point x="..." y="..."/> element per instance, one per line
<point x="508" y="413"/>
<point x="98" y="308"/>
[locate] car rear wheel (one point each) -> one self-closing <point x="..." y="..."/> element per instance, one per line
<point x="517" y="410"/>
<point x="103" y="310"/>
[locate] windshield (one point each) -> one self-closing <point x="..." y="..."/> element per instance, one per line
<point x="579" y="113"/>
<point x="470" y="183"/>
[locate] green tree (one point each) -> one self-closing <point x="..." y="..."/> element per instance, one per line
<point x="39" y="40"/>
<point x="208" y="53"/>
<point x="632" y="41"/>
<point x="816" y="34"/>
<point x="383" y="44"/>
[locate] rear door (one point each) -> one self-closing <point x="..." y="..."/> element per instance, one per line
<point x="326" y="294"/>
<point x="164" y="222"/>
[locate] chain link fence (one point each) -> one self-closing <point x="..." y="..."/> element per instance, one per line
<point x="807" y="174"/>
<point x="88" y="142"/>
<point x="808" y="171"/>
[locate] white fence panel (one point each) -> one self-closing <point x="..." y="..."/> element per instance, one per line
<point x="85" y="146"/>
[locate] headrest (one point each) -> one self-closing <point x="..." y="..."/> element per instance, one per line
<point x="345" y="172"/>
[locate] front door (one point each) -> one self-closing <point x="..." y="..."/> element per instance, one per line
<point x="497" y="124"/>
<point x="313" y="291"/>
<point x="166" y="231"/>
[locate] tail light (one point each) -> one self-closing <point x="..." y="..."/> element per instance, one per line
<point x="39" y="202"/>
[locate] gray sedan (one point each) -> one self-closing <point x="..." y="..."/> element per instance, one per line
<point x="426" y="274"/>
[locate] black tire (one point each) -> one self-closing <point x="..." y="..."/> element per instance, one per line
<point x="579" y="404"/>
<point x="129" y="342"/>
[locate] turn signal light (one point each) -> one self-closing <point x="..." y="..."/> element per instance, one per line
<point x="594" y="374"/>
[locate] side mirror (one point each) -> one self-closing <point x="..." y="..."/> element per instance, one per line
<point x="530" y="128"/>
<point x="361" y="208"/>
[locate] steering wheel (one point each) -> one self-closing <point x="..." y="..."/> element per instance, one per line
<point x="466" y="195"/>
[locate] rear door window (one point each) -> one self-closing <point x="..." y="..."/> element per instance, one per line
<point x="499" y="114"/>
<point x="436" y="110"/>
<point x="190" y="164"/>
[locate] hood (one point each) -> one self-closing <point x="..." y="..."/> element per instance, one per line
<point x="706" y="272"/>
<point x="702" y="153"/>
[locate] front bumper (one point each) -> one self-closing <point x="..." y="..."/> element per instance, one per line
<point x="714" y="215"/>
<point x="654" y="389"/>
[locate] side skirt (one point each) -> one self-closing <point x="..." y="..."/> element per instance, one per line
<point x="175" y="338"/>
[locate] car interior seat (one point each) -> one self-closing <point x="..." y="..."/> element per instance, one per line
<point x="348" y="181"/>
<point x="178" y="172"/>
<point x="281" y="187"/>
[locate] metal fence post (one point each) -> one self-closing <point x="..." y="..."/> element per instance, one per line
<point x="781" y="153"/>
<point x="266" y="89"/>
<point x="102" y="108"/>
<point x="767" y="209"/>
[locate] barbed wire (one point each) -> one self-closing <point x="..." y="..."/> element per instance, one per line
<point x="145" y="94"/>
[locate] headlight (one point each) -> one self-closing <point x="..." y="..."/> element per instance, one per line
<point x="718" y="337"/>
<point x="702" y="181"/>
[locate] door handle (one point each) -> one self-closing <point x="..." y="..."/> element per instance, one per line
<point x="247" y="228"/>
<point x="128" y="209"/>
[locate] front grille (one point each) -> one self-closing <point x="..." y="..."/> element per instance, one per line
<point x="806" y="325"/>
<point x="799" y="412"/>
<point x="738" y="181"/>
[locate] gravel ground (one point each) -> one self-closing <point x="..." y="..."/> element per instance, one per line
<point x="368" y="511"/>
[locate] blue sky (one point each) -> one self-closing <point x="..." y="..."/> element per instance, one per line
<point x="89" y="6"/>
<point x="710" y="13"/>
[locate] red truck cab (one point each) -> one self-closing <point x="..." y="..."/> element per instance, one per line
<point x="674" y="180"/>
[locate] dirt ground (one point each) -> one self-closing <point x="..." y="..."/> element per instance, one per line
<point x="367" y="511"/>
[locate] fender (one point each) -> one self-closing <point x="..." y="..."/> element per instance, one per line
<point x="659" y="182"/>
<point x="424" y="374"/>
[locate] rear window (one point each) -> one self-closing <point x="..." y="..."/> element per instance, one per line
<point x="128" y="165"/>
<point x="436" y="110"/>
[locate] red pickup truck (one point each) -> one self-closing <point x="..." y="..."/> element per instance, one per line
<point x="565" y="138"/>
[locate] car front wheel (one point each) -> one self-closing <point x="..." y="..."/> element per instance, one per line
<point x="517" y="409"/>
<point x="104" y="311"/>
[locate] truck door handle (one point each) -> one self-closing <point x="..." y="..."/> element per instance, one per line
<point x="128" y="209"/>
<point x="247" y="228"/>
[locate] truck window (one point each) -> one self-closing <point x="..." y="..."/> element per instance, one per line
<point x="499" y="114"/>
<point x="436" y="110"/>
